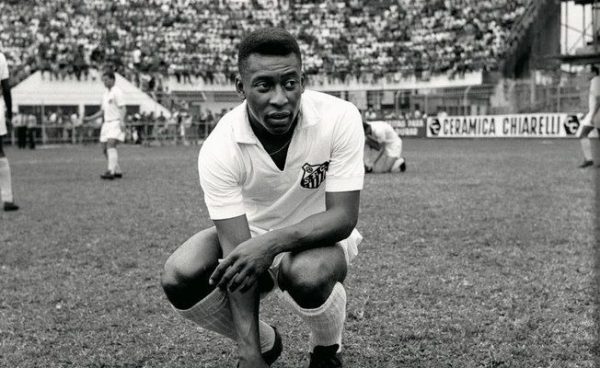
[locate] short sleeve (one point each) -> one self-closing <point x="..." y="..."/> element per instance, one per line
<point x="220" y="179"/>
<point x="3" y="67"/>
<point x="346" y="168"/>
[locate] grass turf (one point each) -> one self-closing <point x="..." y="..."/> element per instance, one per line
<point x="481" y="255"/>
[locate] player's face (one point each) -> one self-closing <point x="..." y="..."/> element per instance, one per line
<point x="108" y="82"/>
<point x="272" y="86"/>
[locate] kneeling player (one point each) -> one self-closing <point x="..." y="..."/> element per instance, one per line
<point x="383" y="148"/>
<point x="591" y="121"/>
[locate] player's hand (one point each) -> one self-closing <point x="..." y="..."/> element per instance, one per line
<point x="9" y="123"/>
<point x="242" y="267"/>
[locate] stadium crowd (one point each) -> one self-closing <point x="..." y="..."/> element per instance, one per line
<point x="194" y="41"/>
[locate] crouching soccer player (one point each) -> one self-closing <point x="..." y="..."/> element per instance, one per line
<point x="281" y="176"/>
<point x="383" y="148"/>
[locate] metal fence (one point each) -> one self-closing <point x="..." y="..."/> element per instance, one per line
<point x="145" y="133"/>
<point x="563" y="94"/>
<point x="505" y="97"/>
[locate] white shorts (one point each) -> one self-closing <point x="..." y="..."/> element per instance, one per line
<point x="111" y="130"/>
<point x="588" y="121"/>
<point x="348" y="245"/>
<point x="394" y="149"/>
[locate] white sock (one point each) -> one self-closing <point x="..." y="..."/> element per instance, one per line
<point x="113" y="156"/>
<point x="396" y="164"/>
<point x="213" y="313"/>
<point x="326" y="322"/>
<point x="586" y="148"/>
<point x="5" y="181"/>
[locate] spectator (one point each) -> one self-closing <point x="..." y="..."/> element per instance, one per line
<point x="76" y="127"/>
<point x="20" y="125"/>
<point x="355" y="39"/>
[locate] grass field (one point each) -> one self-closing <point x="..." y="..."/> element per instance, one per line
<point x="481" y="255"/>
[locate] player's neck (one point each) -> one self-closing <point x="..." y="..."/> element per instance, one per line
<point x="271" y="139"/>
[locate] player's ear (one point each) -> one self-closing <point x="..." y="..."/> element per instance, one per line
<point x="239" y="87"/>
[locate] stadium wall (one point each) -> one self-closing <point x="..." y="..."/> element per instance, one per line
<point x="535" y="40"/>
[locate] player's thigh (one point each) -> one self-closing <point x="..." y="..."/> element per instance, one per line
<point x="195" y="259"/>
<point x="585" y="131"/>
<point x="111" y="143"/>
<point x="321" y="266"/>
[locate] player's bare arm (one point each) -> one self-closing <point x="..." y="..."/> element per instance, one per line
<point x="5" y="83"/>
<point x="94" y="116"/>
<point x="372" y="142"/>
<point x="244" y="304"/>
<point x="240" y="269"/>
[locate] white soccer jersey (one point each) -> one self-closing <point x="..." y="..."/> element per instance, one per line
<point x="3" y="75"/>
<point x="326" y="154"/>
<point x="111" y="101"/>
<point x="3" y="67"/>
<point x="385" y="135"/>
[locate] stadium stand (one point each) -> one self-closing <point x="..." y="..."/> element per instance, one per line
<point x="191" y="41"/>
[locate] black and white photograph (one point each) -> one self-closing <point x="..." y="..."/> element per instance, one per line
<point x="300" y="184"/>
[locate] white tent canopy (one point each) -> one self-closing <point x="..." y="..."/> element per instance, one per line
<point x="35" y="91"/>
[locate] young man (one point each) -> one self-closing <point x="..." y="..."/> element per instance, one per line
<point x="113" y="128"/>
<point x="5" y="125"/>
<point x="281" y="176"/>
<point x="383" y="148"/>
<point x="592" y="120"/>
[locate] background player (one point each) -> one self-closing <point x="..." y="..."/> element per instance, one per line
<point x="281" y="176"/>
<point x="5" y="125"/>
<point x="113" y="127"/>
<point x="591" y="120"/>
<point x="383" y="148"/>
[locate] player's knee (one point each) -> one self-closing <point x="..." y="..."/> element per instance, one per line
<point x="182" y="283"/>
<point x="307" y="280"/>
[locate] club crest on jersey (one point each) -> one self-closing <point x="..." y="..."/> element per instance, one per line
<point x="313" y="175"/>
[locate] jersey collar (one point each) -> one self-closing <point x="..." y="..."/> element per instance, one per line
<point x="242" y="130"/>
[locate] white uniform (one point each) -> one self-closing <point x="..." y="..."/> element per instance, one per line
<point x="325" y="155"/>
<point x="590" y="120"/>
<point x="112" y="100"/>
<point x="385" y="135"/>
<point x="3" y="75"/>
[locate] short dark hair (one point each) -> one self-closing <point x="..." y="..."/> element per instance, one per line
<point x="267" y="41"/>
<point x="110" y="74"/>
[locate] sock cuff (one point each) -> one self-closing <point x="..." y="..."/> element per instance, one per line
<point x="337" y="292"/>
<point x="211" y="303"/>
